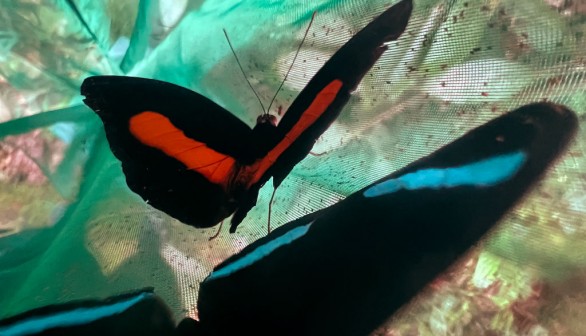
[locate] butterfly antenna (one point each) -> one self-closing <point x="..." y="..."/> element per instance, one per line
<point x="270" y="210"/>
<point x="217" y="233"/>
<point x="243" y="73"/>
<point x="294" y="58"/>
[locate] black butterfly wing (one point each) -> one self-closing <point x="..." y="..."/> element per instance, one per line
<point x="329" y="90"/>
<point x="136" y="313"/>
<point x="321" y="101"/>
<point x="345" y="269"/>
<point x="179" y="150"/>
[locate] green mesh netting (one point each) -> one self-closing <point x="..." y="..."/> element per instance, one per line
<point x="71" y="229"/>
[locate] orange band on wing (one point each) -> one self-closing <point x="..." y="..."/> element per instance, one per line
<point x="155" y="130"/>
<point x="320" y="104"/>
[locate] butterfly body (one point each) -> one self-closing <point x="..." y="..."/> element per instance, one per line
<point x="192" y="159"/>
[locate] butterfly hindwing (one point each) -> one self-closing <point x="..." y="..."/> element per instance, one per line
<point x="178" y="149"/>
<point x="345" y="269"/>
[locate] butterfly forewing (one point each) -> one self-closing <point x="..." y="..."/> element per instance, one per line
<point x="322" y="100"/>
<point x="178" y="149"/>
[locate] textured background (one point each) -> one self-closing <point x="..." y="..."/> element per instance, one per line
<point x="71" y="229"/>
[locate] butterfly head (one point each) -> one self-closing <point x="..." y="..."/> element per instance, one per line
<point x="266" y="118"/>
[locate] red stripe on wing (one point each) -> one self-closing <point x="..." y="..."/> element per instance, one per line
<point x="156" y="130"/>
<point x="320" y="104"/>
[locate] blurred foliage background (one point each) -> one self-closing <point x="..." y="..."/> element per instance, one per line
<point x="71" y="229"/>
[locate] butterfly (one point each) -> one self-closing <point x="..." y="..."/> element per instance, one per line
<point x="194" y="160"/>
<point x="345" y="269"/>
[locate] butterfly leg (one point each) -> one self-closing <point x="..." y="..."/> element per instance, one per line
<point x="246" y="204"/>
<point x="217" y="233"/>
<point x="270" y="211"/>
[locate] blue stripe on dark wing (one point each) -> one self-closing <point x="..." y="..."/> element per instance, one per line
<point x="74" y="317"/>
<point x="260" y="252"/>
<point x="484" y="173"/>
